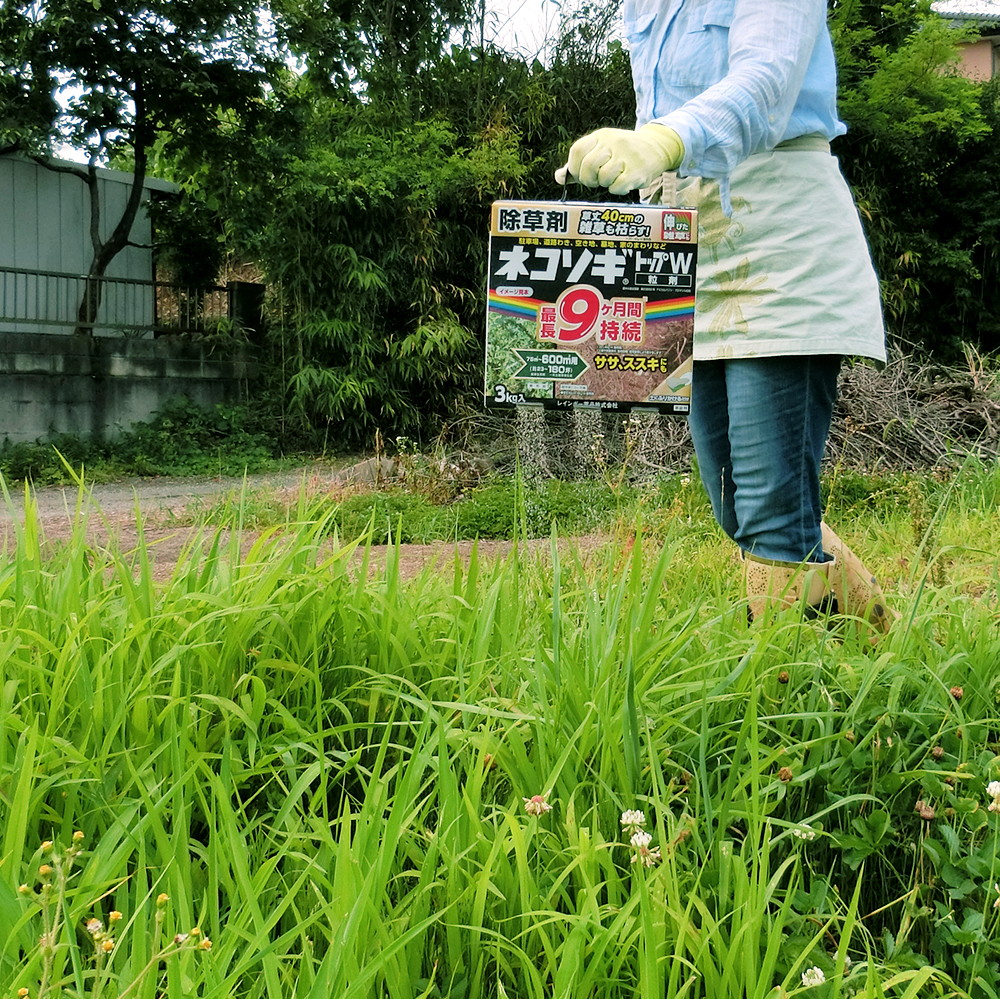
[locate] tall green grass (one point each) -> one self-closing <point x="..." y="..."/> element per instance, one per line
<point x="323" y="767"/>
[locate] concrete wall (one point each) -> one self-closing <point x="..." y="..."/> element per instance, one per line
<point x="97" y="387"/>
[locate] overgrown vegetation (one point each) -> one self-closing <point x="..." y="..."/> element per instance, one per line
<point x="290" y="770"/>
<point x="181" y="440"/>
<point x="280" y="776"/>
<point x="375" y="257"/>
<point x="920" y="153"/>
<point x="498" y="507"/>
<point x="375" y="252"/>
<point x="909" y="415"/>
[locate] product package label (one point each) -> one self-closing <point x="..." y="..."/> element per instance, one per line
<point x="590" y="304"/>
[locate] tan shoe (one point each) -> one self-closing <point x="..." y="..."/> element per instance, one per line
<point x="857" y="591"/>
<point x="772" y="585"/>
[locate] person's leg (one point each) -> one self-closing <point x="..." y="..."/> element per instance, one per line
<point x="760" y="428"/>
<point x="779" y="412"/>
<point x="769" y="418"/>
<point x="854" y="586"/>
<point x="709" y="425"/>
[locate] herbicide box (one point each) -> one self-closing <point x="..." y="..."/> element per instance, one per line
<point x="590" y="305"/>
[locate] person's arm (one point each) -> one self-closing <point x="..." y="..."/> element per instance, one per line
<point x="770" y="46"/>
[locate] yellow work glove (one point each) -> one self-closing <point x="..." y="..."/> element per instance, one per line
<point x="621" y="159"/>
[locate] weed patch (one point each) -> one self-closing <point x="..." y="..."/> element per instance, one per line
<point x="181" y="440"/>
<point x="549" y="775"/>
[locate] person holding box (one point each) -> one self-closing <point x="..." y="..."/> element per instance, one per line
<point x="738" y="99"/>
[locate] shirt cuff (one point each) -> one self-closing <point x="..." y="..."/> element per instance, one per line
<point x="695" y="163"/>
<point x="693" y="137"/>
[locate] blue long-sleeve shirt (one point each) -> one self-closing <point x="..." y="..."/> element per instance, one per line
<point x="732" y="77"/>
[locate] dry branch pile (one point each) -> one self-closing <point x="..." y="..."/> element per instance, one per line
<point x="915" y="415"/>
<point x="910" y="414"/>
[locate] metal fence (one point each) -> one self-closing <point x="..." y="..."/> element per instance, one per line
<point x="53" y="302"/>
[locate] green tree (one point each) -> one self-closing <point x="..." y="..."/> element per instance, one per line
<point x="385" y="208"/>
<point x="373" y="255"/>
<point x="374" y="45"/>
<point x="374" y="252"/>
<point x="126" y="73"/>
<point x="921" y="155"/>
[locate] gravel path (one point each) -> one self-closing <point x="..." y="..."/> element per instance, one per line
<point x="110" y="511"/>
<point x="172" y="494"/>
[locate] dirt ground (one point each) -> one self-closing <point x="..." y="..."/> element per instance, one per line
<point x="110" y="514"/>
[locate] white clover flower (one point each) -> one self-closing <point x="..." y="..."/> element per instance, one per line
<point x="646" y="857"/>
<point x="993" y="789"/>
<point x="804" y="832"/>
<point x="813" y="977"/>
<point x="537" y="805"/>
<point x="633" y="817"/>
<point x="640" y="839"/>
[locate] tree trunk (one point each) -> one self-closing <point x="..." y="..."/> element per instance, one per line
<point x="106" y="250"/>
<point x="90" y="304"/>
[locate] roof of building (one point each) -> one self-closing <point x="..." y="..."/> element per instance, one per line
<point x="986" y="12"/>
<point x="105" y="173"/>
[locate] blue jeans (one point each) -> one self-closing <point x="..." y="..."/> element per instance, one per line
<point x="760" y="427"/>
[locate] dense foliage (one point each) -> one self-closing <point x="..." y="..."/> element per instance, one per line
<point x="923" y="156"/>
<point x="374" y="250"/>
<point x="182" y="439"/>
<point x="357" y="185"/>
